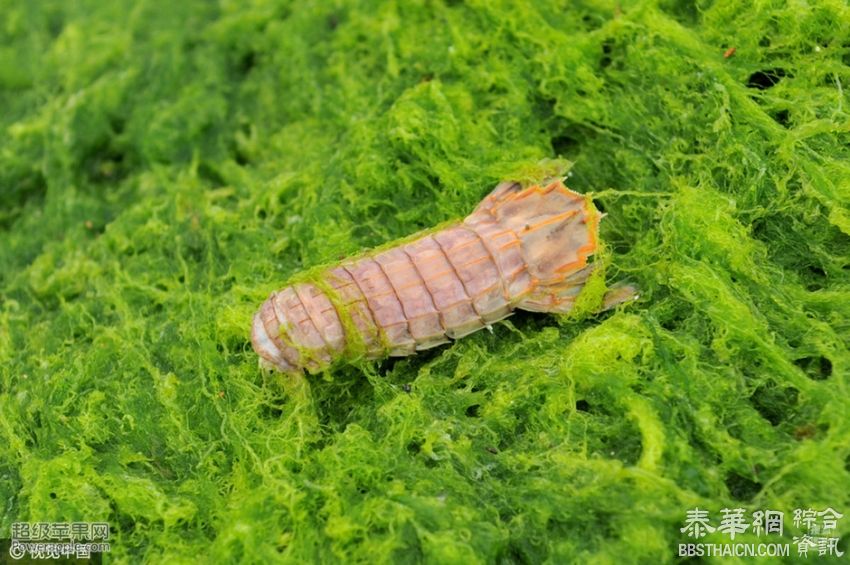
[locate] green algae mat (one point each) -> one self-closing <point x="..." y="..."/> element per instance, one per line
<point x="165" y="165"/>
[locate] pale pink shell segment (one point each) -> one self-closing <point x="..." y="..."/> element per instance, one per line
<point x="506" y="248"/>
<point x="457" y="313"/>
<point x="478" y="272"/>
<point x="270" y="342"/>
<point x="423" y="318"/>
<point x="296" y="322"/>
<point x="267" y="346"/>
<point x="384" y="304"/>
<point x="355" y="306"/>
<point x="323" y="316"/>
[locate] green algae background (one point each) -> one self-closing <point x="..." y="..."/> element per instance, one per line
<point x="165" y="165"/>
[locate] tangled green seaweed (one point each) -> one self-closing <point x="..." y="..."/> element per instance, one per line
<point x="164" y="165"/>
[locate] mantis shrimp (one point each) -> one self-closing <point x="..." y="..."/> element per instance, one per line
<point x="521" y="248"/>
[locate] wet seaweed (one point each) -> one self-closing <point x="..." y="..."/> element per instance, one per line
<point x="165" y="165"/>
